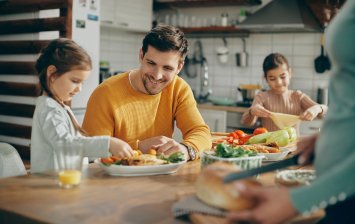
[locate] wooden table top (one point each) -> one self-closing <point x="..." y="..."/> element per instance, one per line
<point x="99" y="199"/>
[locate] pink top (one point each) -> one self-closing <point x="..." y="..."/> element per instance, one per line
<point x="290" y="102"/>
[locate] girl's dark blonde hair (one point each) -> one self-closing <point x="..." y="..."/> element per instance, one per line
<point x="65" y="55"/>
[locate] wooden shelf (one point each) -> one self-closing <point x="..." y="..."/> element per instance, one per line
<point x="159" y="4"/>
<point x="215" y="31"/>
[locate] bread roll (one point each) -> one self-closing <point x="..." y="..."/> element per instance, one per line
<point x="211" y="190"/>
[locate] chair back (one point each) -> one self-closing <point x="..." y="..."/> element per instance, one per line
<point x="10" y="161"/>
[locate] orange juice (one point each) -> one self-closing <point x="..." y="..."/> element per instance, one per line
<point x="68" y="178"/>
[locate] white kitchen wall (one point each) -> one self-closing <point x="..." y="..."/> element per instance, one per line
<point x="121" y="49"/>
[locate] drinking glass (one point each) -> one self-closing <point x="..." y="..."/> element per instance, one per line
<point x="69" y="157"/>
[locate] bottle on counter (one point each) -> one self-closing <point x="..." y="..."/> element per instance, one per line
<point x="242" y="16"/>
<point x="224" y="19"/>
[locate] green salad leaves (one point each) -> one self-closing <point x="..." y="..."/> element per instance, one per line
<point x="226" y="151"/>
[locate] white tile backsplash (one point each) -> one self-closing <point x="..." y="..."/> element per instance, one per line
<point x="121" y="49"/>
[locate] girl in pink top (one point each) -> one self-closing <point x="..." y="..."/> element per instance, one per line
<point x="279" y="98"/>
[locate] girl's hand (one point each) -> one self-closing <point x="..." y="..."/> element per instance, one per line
<point x="273" y="205"/>
<point x="311" y="113"/>
<point x="259" y="111"/>
<point x="120" y="148"/>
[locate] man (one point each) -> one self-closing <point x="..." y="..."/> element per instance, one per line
<point x="141" y="105"/>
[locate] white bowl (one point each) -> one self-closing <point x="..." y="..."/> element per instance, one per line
<point x="243" y="163"/>
<point x="276" y="156"/>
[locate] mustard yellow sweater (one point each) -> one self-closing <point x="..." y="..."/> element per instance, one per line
<point x="116" y="109"/>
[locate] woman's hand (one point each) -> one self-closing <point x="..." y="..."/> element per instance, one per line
<point x="259" y="111"/>
<point x="120" y="148"/>
<point x="306" y="147"/>
<point x="273" y="205"/>
<point x="311" y="113"/>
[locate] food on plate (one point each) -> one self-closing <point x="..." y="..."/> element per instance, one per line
<point x="211" y="190"/>
<point x="258" y="131"/>
<point x="261" y="138"/>
<point x="242" y="158"/>
<point x="281" y="137"/>
<point x="292" y="134"/>
<point x="226" y="151"/>
<point x="262" y="148"/>
<point x="294" y="178"/>
<point x="143" y="159"/>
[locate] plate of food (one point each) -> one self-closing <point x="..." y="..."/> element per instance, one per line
<point x="141" y="165"/>
<point x="294" y="178"/>
<point x="275" y="156"/>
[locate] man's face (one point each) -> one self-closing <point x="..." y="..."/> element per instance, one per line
<point x="158" y="69"/>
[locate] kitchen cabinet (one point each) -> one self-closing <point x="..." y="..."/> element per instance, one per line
<point x="310" y="127"/>
<point x="215" y="119"/>
<point x="133" y="15"/>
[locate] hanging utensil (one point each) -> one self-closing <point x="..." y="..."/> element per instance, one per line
<point x="322" y="63"/>
<point x="242" y="57"/>
<point x="223" y="52"/>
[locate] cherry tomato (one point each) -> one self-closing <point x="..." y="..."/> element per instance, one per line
<point x="240" y="133"/>
<point x="230" y="140"/>
<point x="245" y="138"/>
<point x="233" y="135"/>
<point x="258" y="131"/>
<point x="107" y="160"/>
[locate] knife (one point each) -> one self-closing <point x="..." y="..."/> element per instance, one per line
<point x="263" y="169"/>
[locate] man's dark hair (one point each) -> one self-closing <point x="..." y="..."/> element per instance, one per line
<point x="166" y="38"/>
<point x="273" y="61"/>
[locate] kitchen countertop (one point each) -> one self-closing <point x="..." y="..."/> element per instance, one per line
<point x="210" y="106"/>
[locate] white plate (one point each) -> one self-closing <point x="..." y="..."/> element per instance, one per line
<point x="291" y="147"/>
<point x="121" y="170"/>
<point x="272" y="157"/>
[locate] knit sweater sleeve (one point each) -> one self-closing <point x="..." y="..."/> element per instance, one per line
<point x="189" y="120"/>
<point x="307" y="102"/>
<point x="335" y="185"/>
<point x="98" y="118"/>
<point x="247" y="118"/>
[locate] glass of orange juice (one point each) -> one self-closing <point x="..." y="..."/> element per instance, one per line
<point x="69" y="157"/>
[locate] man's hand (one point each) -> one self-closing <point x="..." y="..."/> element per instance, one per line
<point x="164" y="145"/>
<point x="273" y="205"/>
<point x="260" y="111"/>
<point x="306" y="147"/>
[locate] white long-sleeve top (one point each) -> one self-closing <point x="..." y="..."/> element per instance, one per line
<point x="51" y="124"/>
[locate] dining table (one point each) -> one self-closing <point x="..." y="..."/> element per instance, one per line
<point x="102" y="198"/>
